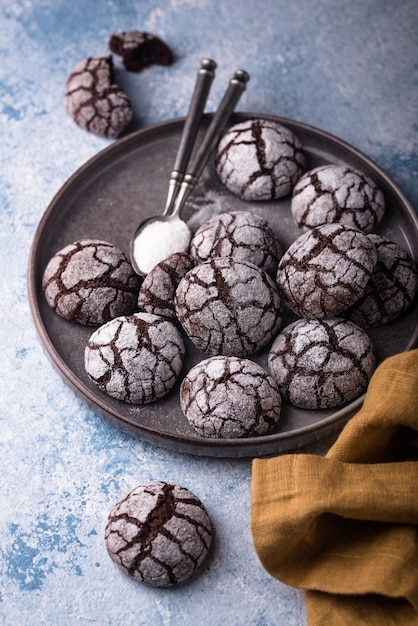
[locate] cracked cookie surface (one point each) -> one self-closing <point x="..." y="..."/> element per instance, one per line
<point x="337" y="194"/>
<point x="321" y="363"/>
<point x="259" y="160"/>
<point x="135" y="358"/>
<point x="90" y="282"/>
<point x="228" y="307"/>
<point x="159" y="534"/>
<point x="158" y="289"/>
<point x="94" y="101"/>
<point x="241" y="235"/>
<point x="326" y="270"/>
<point x="229" y="397"/>
<point x="391" y="288"/>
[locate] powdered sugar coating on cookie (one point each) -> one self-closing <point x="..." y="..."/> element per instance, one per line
<point x="94" y="101"/>
<point x="159" y="534"/>
<point x="230" y="397"/>
<point x="241" y="235"/>
<point x="135" y="358"/>
<point x="326" y="270"/>
<point x="228" y="307"/>
<point x="321" y="364"/>
<point x="90" y="282"/>
<point x="158" y="289"/>
<point x="337" y="194"/>
<point x="391" y="288"/>
<point x="259" y="160"/>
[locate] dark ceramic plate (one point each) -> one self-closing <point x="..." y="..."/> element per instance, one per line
<point x="106" y="199"/>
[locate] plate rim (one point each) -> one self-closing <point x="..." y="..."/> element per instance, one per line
<point x="233" y="448"/>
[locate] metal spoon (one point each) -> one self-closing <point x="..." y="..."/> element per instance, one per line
<point x="143" y="252"/>
<point x="159" y="236"/>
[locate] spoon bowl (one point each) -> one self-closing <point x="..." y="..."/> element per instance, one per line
<point x="157" y="238"/>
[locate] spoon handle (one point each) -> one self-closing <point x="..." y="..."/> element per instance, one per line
<point x="219" y="121"/>
<point x="205" y="76"/>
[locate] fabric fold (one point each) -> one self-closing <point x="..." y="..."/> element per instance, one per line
<point x="345" y="527"/>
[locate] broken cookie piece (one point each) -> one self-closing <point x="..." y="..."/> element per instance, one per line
<point x="94" y="101"/>
<point x="139" y="50"/>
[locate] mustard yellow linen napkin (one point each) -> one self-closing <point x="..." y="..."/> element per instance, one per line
<point x="345" y="527"/>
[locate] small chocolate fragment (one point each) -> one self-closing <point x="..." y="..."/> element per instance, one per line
<point x="139" y="50"/>
<point x="159" y="534"/>
<point x="94" y="101"/>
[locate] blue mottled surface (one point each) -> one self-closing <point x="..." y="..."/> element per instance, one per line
<point x="349" y="67"/>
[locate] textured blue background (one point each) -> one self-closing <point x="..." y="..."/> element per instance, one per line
<point x="349" y="67"/>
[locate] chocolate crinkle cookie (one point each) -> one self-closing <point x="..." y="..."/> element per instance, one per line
<point x="94" y="101"/>
<point x="241" y="235"/>
<point x="321" y="364"/>
<point x="90" y="282"/>
<point x="159" y="534"/>
<point x="158" y="289"/>
<point x="337" y="193"/>
<point x="391" y="288"/>
<point x="135" y="358"/>
<point x="326" y="270"/>
<point x="228" y="307"/>
<point x="259" y="160"/>
<point x="230" y="397"/>
<point x="139" y="50"/>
